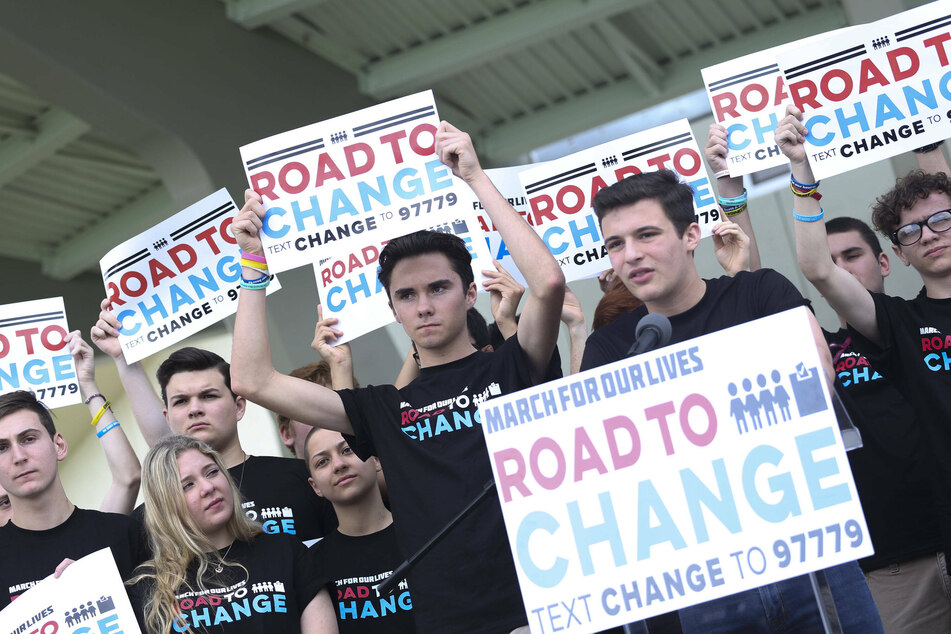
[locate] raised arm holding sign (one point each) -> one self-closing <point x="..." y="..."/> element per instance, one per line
<point x="426" y="434"/>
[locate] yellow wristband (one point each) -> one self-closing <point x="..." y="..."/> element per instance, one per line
<point x="102" y="410"/>
<point x="254" y="265"/>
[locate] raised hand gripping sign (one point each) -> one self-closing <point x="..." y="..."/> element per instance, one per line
<point x="875" y="91"/>
<point x="560" y="192"/>
<point x="88" y="598"/>
<point x="350" y="181"/>
<point x="176" y="279"/>
<point x="748" y="97"/>
<point x="33" y="354"/>
<point x="675" y="477"/>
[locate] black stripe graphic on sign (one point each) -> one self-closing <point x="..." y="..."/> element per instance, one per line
<point x="408" y="113"/>
<point x="750" y="74"/>
<point x="656" y="145"/>
<point x="922" y="28"/>
<point x="560" y="178"/>
<point x="389" y="122"/>
<point x="211" y="215"/>
<point x="828" y="60"/>
<point x="287" y="152"/>
<point x="29" y="319"/>
<point x="138" y="256"/>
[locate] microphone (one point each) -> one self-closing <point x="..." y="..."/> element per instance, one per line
<point x="652" y="332"/>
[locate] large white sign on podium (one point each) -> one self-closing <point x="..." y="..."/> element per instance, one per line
<point x="675" y="477"/>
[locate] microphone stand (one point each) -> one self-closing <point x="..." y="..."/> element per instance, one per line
<point x="390" y="583"/>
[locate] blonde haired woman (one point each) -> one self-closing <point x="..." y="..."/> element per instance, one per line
<point x="214" y="569"/>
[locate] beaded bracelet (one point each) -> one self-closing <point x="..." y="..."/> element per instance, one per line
<point x="108" y="428"/>
<point x="802" y="218"/>
<point x="92" y="396"/>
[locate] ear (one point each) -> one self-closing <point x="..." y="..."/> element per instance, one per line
<point x="376" y="463"/>
<point x="61" y="447"/>
<point x="471" y="293"/>
<point x="692" y="237"/>
<point x="241" y="405"/>
<point x="901" y="256"/>
<point x="287" y="436"/>
<point x="884" y="264"/>
<point x="313" y="485"/>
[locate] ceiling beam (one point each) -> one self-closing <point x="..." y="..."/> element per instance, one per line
<point x="627" y="97"/>
<point x="424" y="65"/>
<point x="86" y="248"/>
<point x="252" y="14"/>
<point x="638" y="64"/>
<point x="56" y="129"/>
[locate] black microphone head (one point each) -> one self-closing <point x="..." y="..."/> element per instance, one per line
<point x="656" y="322"/>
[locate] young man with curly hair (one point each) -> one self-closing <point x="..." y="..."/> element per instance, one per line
<point x="907" y="341"/>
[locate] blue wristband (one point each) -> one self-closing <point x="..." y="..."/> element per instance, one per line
<point x="802" y="218"/>
<point x="108" y="428"/>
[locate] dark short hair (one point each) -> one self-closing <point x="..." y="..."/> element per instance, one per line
<point x="478" y="329"/>
<point x="192" y="360"/>
<point x="19" y="400"/>
<point x="674" y="197"/>
<point x="908" y="190"/>
<point x="845" y="224"/>
<point x="422" y="243"/>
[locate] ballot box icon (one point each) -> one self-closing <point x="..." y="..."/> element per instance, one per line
<point x="807" y="390"/>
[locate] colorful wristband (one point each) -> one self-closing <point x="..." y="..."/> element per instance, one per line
<point x="92" y="396"/>
<point x="722" y="174"/>
<point x="253" y="264"/>
<point x="802" y="218"/>
<point x="254" y="257"/>
<point x="256" y="284"/>
<point x="102" y="410"/>
<point x="733" y="211"/>
<point x="108" y="428"/>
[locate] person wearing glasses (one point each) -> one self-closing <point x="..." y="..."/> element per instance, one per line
<point x="907" y="341"/>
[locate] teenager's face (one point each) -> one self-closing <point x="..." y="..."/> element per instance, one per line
<point x="338" y="474"/>
<point x="208" y="497"/>
<point x="200" y="405"/>
<point x="646" y="253"/>
<point x="930" y="256"/>
<point x="428" y="299"/>
<point x="852" y="253"/>
<point x="28" y="456"/>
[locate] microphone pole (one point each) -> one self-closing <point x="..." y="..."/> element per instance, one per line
<point x="390" y="583"/>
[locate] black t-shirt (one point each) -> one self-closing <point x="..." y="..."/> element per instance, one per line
<point x="429" y="439"/>
<point x="356" y="565"/>
<point x="892" y="468"/>
<point x="916" y="356"/>
<point x="27" y="557"/>
<point x="277" y="494"/>
<point x="279" y="579"/>
<point x="727" y="301"/>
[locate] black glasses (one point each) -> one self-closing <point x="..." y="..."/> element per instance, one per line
<point x="907" y="235"/>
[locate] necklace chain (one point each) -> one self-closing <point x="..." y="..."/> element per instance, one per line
<point x="244" y="463"/>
